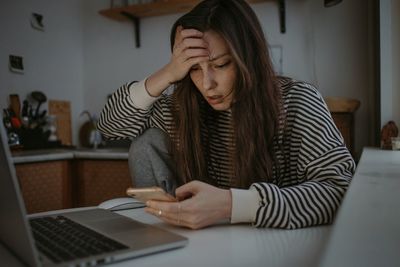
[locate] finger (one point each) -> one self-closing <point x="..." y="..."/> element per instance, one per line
<point x="185" y="33"/>
<point x="164" y="206"/>
<point x="188" y="35"/>
<point x="186" y="65"/>
<point x="155" y="212"/>
<point x="182" y="194"/>
<point x="176" y="222"/>
<point x="190" y="62"/>
<point x="169" y="217"/>
<point x="163" y="214"/>
<point x="182" y="33"/>
<point x="190" y="44"/>
<point x="178" y="36"/>
<point x="193" y="187"/>
<point x="195" y="52"/>
<point x="152" y="211"/>
<point x="181" y="223"/>
<point x="194" y="42"/>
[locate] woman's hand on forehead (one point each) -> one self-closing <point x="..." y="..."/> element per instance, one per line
<point x="189" y="49"/>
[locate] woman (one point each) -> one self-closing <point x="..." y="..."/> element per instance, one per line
<point x="246" y="145"/>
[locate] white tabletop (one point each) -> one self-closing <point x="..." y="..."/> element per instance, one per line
<point x="237" y="245"/>
<point x="366" y="232"/>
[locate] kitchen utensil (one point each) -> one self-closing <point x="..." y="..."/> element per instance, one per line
<point x="24" y="112"/>
<point x="16" y="123"/>
<point x="42" y="114"/>
<point x="7" y="119"/>
<point x="52" y="128"/>
<point x="40" y="98"/>
<point x="15" y="105"/>
<point x="30" y="112"/>
<point x="13" y="139"/>
<point x="62" y="109"/>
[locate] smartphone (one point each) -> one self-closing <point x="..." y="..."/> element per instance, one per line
<point x="150" y="193"/>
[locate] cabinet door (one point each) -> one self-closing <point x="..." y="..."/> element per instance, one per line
<point x="46" y="185"/>
<point x="345" y="123"/>
<point x="100" y="180"/>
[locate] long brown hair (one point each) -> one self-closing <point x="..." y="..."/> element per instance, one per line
<point x="257" y="100"/>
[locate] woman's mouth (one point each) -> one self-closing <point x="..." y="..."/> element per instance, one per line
<point x="215" y="99"/>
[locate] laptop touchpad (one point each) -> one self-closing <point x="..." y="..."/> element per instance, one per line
<point x="105" y="221"/>
<point x="115" y="225"/>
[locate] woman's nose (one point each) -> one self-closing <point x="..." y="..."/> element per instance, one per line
<point x="208" y="79"/>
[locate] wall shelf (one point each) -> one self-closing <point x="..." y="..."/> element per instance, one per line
<point x="164" y="7"/>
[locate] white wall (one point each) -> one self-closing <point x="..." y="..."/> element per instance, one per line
<point x="386" y="65"/>
<point x="396" y="60"/>
<point x="110" y="54"/>
<point x="390" y="61"/>
<point x="52" y="59"/>
<point x="325" y="46"/>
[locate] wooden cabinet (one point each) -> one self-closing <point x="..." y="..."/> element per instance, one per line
<point x="45" y="185"/>
<point x="62" y="184"/>
<point x="345" y="123"/>
<point x="343" y="111"/>
<point x="100" y="180"/>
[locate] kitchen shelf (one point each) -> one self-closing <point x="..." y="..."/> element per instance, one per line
<point x="164" y="7"/>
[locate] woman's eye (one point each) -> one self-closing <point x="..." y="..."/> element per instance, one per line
<point x="220" y="66"/>
<point x="194" y="68"/>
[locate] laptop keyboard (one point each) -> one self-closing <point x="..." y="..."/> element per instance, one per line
<point x="61" y="239"/>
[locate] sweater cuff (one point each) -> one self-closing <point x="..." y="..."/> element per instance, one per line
<point x="139" y="95"/>
<point x="245" y="204"/>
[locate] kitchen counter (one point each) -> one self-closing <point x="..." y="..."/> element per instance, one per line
<point x="31" y="156"/>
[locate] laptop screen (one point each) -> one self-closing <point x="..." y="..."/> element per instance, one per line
<point x="14" y="231"/>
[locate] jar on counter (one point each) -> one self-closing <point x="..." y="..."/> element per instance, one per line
<point x="395" y="143"/>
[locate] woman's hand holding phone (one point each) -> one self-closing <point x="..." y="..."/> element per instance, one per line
<point x="199" y="206"/>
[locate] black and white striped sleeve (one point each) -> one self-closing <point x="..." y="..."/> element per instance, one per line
<point x="121" y="118"/>
<point x="317" y="173"/>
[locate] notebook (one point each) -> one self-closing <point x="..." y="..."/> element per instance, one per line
<point x="76" y="238"/>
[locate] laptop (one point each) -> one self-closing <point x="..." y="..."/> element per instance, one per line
<point x="77" y="238"/>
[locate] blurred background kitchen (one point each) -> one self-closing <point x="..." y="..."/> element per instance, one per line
<point x="59" y="60"/>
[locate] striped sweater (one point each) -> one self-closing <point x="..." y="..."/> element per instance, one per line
<point x="315" y="167"/>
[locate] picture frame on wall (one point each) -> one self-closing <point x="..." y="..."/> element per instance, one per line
<point x="16" y="64"/>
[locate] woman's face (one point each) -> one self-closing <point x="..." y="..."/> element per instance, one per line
<point x="216" y="77"/>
